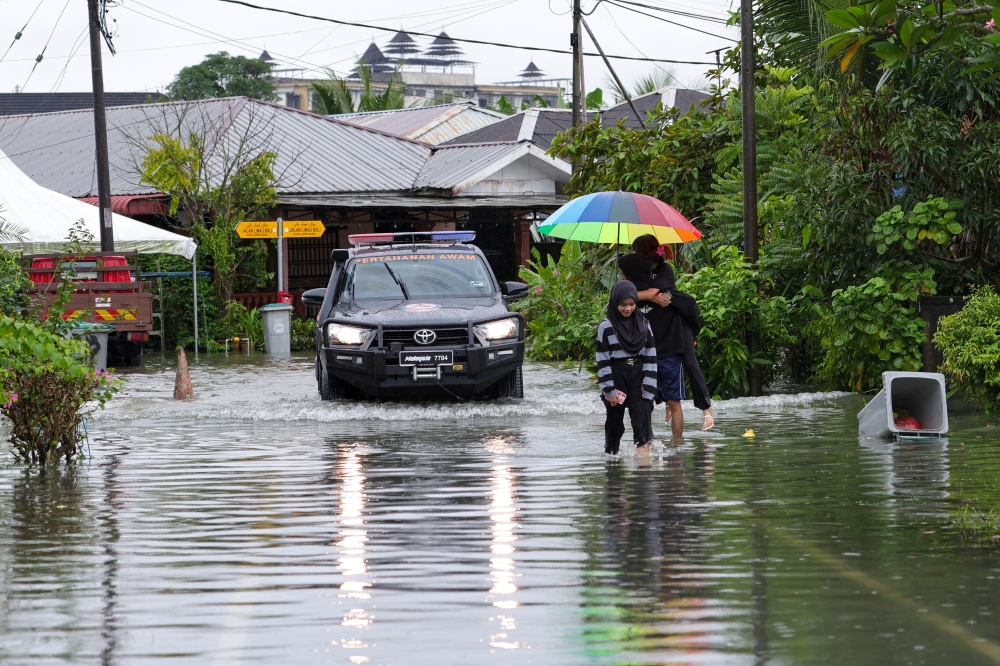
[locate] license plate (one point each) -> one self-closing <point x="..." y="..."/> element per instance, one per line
<point x="427" y="358"/>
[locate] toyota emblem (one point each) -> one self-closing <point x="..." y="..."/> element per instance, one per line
<point x="425" y="336"/>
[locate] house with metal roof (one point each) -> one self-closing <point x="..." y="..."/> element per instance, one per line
<point x="428" y="124"/>
<point x="540" y="125"/>
<point x="352" y="177"/>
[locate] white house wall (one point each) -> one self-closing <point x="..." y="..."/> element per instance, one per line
<point x="522" y="176"/>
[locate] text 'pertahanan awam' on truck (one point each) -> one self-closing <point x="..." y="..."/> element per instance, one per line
<point x="106" y="290"/>
<point x="417" y="315"/>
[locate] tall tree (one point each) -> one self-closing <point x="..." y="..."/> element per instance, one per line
<point x="223" y="75"/>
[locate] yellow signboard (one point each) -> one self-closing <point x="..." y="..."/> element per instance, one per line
<point x="302" y="228"/>
<point x="265" y="229"/>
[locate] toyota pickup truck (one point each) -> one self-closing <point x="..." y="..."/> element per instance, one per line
<point x="414" y="315"/>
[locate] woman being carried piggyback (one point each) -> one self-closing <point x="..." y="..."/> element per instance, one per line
<point x="626" y="368"/>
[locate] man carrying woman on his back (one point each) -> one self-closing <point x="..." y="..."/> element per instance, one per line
<point x="673" y="317"/>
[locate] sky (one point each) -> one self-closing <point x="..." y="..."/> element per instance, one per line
<point x="156" y="38"/>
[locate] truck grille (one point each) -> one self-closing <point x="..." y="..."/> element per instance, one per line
<point x="446" y="337"/>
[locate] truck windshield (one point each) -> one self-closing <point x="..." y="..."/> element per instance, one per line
<point x="414" y="275"/>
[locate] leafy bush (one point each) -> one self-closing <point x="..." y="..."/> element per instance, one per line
<point x="866" y="331"/>
<point x="45" y="379"/>
<point x="970" y="343"/>
<point x="13" y="284"/>
<point x="303" y="334"/>
<point x="731" y="307"/>
<point x="565" y="303"/>
<point x="930" y="221"/>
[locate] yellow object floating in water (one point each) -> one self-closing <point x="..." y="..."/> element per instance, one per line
<point x="748" y="433"/>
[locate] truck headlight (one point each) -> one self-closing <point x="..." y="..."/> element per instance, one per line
<point x="502" y="329"/>
<point x="339" y="334"/>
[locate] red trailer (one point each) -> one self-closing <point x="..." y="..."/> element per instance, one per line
<point x="106" y="291"/>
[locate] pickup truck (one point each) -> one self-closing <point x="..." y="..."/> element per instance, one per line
<point x="417" y="314"/>
<point x="106" y="291"/>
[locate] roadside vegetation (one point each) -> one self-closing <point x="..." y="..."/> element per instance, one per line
<point x="874" y="190"/>
<point x="47" y="380"/>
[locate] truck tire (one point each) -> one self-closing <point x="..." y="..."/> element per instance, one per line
<point x="510" y="385"/>
<point x="331" y="388"/>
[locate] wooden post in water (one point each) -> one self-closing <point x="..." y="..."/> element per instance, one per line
<point x="182" y="383"/>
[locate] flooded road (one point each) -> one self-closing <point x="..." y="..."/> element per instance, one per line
<point x="258" y="525"/>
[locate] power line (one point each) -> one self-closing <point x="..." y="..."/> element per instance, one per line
<point x="660" y="18"/>
<point x="44" y="48"/>
<point x="21" y="31"/>
<point x="457" y="39"/>
<point x="678" y="12"/>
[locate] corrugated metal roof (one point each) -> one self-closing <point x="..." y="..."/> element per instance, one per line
<point x="430" y="124"/>
<point x="547" y="123"/>
<point x="314" y="154"/>
<point x="457" y="168"/>
<point x="23" y="103"/>
<point x="536" y="201"/>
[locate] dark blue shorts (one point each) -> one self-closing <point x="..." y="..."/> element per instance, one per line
<point x="670" y="377"/>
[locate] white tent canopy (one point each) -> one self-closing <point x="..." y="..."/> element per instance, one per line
<point x="47" y="216"/>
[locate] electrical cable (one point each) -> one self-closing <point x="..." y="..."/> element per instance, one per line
<point x="44" y="48"/>
<point x="677" y="12"/>
<point x="21" y="31"/>
<point x="456" y="39"/>
<point x="660" y="18"/>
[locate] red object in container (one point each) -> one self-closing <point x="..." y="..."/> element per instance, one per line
<point x="114" y="276"/>
<point x="284" y="298"/>
<point x="43" y="262"/>
<point x="907" y="423"/>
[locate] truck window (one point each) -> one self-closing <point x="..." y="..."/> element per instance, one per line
<point x="434" y="274"/>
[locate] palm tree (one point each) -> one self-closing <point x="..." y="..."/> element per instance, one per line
<point x="333" y="97"/>
<point x="10" y="233"/>
<point x="651" y="82"/>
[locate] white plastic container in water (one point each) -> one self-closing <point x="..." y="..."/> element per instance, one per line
<point x="921" y="394"/>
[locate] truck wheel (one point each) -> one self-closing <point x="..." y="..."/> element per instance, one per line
<point x="332" y="388"/>
<point x="510" y="386"/>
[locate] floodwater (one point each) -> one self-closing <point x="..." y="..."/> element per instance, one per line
<point x="258" y="525"/>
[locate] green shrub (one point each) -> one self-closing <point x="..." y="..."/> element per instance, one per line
<point x="303" y="334"/>
<point x="970" y="343"/>
<point x="565" y="303"/>
<point x="45" y="379"/>
<point x="865" y="331"/>
<point x="13" y="284"/>
<point x="731" y="307"/>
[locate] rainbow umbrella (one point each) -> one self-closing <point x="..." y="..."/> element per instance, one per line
<point x="618" y="217"/>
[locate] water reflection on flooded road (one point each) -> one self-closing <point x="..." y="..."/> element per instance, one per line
<point x="258" y="525"/>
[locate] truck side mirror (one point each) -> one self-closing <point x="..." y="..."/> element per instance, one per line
<point x="515" y="291"/>
<point x="314" y="297"/>
<point x="340" y="255"/>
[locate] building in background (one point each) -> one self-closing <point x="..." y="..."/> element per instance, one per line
<point x="437" y="73"/>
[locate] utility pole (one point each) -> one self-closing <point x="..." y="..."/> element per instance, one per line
<point x="747" y="96"/>
<point x="101" y="131"/>
<point x="577" y="44"/>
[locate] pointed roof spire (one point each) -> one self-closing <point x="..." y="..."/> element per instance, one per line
<point x="531" y="71"/>
<point x="443" y="46"/>
<point x="266" y="57"/>
<point x="375" y="59"/>
<point x="401" y="45"/>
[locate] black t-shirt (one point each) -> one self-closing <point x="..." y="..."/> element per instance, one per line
<point x="666" y="321"/>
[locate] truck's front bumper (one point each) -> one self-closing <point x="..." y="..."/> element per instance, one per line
<point x="378" y="373"/>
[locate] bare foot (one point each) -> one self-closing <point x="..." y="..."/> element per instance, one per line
<point x="709" y="420"/>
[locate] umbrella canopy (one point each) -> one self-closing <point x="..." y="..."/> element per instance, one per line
<point x="46" y="217"/>
<point x="618" y="217"/>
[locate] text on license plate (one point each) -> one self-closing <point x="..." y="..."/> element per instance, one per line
<point x="426" y="358"/>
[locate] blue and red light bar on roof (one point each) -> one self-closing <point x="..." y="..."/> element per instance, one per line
<point x="412" y="237"/>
